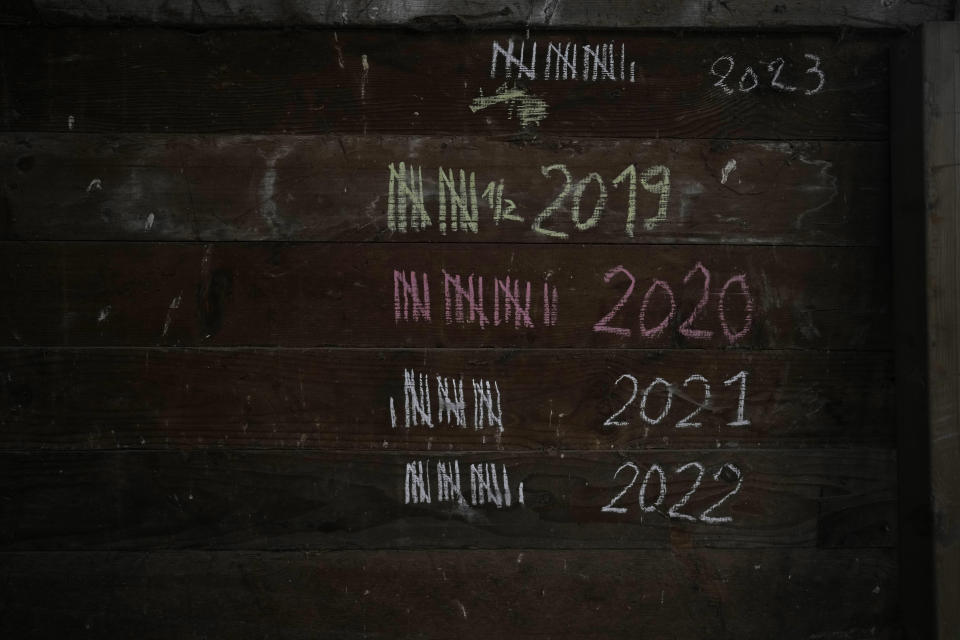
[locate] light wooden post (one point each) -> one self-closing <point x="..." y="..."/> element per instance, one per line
<point x="925" y="136"/>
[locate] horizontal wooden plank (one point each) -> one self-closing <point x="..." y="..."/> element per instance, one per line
<point x="391" y="82"/>
<point x="487" y="13"/>
<point x="323" y="500"/>
<point x="143" y="294"/>
<point x="339" y="188"/>
<point x="158" y="398"/>
<point x="683" y="593"/>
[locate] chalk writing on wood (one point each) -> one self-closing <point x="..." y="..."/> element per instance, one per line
<point x="724" y="68"/>
<point x="450" y="407"/>
<point x="489" y="485"/>
<point x="504" y="301"/>
<point x="599" y="61"/>
<point x="459" y="197"/>
<point x="619" y="419"/>
<point x="725" y="472"/>
<point x="662" y="291"/>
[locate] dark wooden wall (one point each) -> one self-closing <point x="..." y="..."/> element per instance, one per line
<point x="202" y="333"/>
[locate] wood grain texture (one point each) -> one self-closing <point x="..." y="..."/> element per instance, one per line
<point x="908" y="201"/>
<point x="271" y="500"/>
<point x="340" y="398"/>
<point x="235" y="294"/>
<point x="487" y="13"/>
<point x="336" y="188"/>
<point x="941" y="134"/>
<point x="929" y="349"/>
<point x="435" y="594"/>
<point x="131" y="80"/>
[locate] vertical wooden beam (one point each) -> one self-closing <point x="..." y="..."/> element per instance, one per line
<point x="925" y="139"/>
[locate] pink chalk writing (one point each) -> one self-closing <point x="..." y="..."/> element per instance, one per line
<point x="741" y="279"/>
<point x="603" y="326"/>
<point x="666" y="292"/>
<point x="657" y="330"/>
<point x="469" y="299"/>
<point x="687" y="327"/>
<point x="408" y="304"/>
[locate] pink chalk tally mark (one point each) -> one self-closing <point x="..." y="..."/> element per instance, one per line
<point x="406" y="297"/>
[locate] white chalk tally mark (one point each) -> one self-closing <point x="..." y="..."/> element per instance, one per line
<point x="419" y="410"/>
<point x="598" y="62"/>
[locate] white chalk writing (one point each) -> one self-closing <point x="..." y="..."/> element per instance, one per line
<point x="664" y="400"/>
<point x="599" y="61"/>
<point x="674" y="510"/>
<point x="450" y="408"/>
<point x="489" y="484"/>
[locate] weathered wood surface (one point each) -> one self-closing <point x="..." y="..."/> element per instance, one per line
<point x="144" y="294"/>
<point x="752" y="595"/>
<point x="927" y="244"/>
<point x="908" y="195"/>
<point x="432" y="14"/>
<point x="274" y="500"/>
<point x="941" y="134"/>
<point x="62" y="80"/>
<point x="340" y="399"/>
<point x="337" y="188"/>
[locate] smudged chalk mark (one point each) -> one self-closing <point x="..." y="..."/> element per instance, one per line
<point x="728" y="168"/>
<point x="828" y="183"/>
<point x="149" y="223"/>
<point x="530" y="109"/>
<point x="70" y="122"/>
<point x="339" y="50"/>
<point x="364" y="74"/>
<point x="212" y="301"/>
<point x="95" y="184"/>
<point x="171" y="310"/>
<point x="268" y="204"/>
